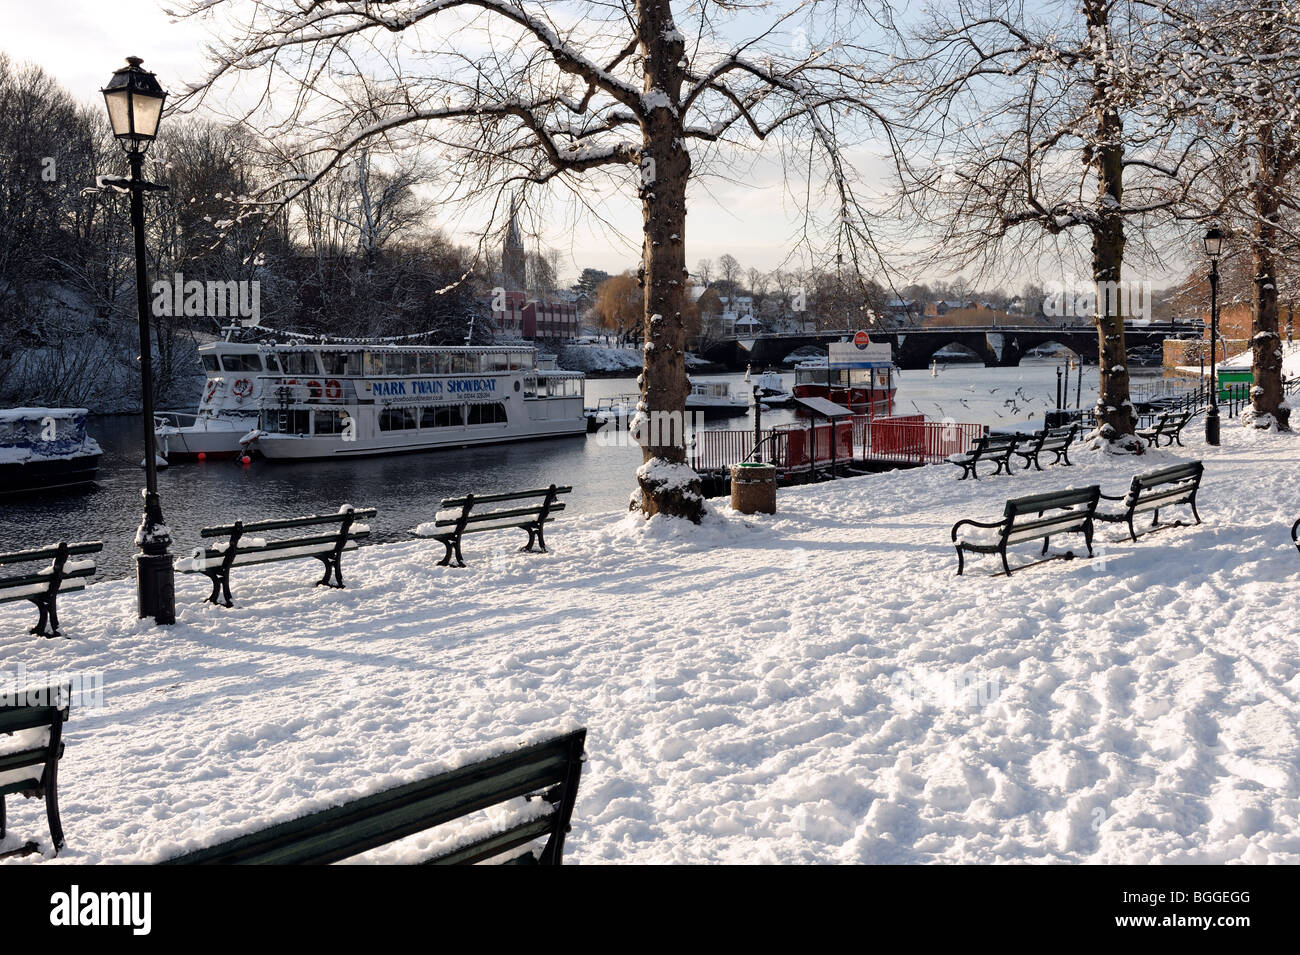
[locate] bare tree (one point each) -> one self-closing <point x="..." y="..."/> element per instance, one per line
<point x="1026" y="111"/>
<point x="1238" y="68"/>
<point x="574" y="96"/>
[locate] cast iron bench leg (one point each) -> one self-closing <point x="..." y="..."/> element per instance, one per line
<point x="1003" y="554"/>
<point x="961" y="560"/>
<point x="50" y="780"/>
<point x="452" y="543"/>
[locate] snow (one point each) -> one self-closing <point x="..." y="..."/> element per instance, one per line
<point x="814" y="686"/>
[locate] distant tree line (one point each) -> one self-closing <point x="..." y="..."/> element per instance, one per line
<point x="353" y="255"/>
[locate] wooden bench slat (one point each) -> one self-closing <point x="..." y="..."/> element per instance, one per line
<point x="494" y="845"/>
<point x="48" y="553"/>
<point x="280" y="523"/>
<point x="496" y="515"/>
<point x="340" y="832"/>
<point x="506" y="496"/>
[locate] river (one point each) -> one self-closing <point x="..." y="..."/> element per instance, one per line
<point x="406" y="488"/>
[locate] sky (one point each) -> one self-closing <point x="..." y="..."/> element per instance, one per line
<point x="81" y="42"/>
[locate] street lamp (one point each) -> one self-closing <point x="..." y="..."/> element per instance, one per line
<point x="1213" y="248"/>
<point x="135" y="103"/>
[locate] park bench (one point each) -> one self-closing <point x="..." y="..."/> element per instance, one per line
<point x="1154" y="491"/>
<point x="1054" y="440"/>
<point x="216" y="560"/>
<point x="1034" y="517"/>
<point x="1169" y="424"/>
<point x="42" y="587"/>
<point x="547" y="771"/>
<point x="991" y="447"/>
<point x="31" y="743"/>
<point x="531" y="517"/>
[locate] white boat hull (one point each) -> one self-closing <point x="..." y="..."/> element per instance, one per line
<point x="294" y="447"/>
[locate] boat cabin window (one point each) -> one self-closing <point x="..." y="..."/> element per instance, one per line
<point x="286" y="422"/>
<point x="397" y="419"/>
<point x="341" y="362"/>
<point x="464" y="364"/>
<point x="496" y="361"/>
<point x="442" y="416"/>
<point x="332" y="422"/>
<point x="426" y="363"/>
<point x="492" y="413"/>
<point x="241" y="361"/>
<point x="299" y="363"/>
<point x="210" y="363"/>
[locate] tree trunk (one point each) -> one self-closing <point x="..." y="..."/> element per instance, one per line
<point x="1115" y="419"/>
<point x="667" y="484"/>
<point x="1266" y="345"/>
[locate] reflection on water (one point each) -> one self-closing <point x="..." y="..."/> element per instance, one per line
<point x="406" y="488"/>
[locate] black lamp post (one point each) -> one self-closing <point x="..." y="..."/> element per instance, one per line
<point x="1213" y="248"/>
<point x="135" y="102"/>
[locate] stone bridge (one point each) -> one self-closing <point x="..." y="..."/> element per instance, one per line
<point x="997" y="346"/>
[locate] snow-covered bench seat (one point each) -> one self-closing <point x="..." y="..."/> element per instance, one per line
<point x="543" y="776"/>
<point x="991" y="447"/>
<point x="1155" y="490"/>
<point x="31" y="743"/>
<point x="42" y="587"/>
<point x="1169" y="424"/>
<point x="531" y="517"/>
<point x="1034" y="517"/>
<point x="1055" y="440"/>
<point x="215" y="560"/>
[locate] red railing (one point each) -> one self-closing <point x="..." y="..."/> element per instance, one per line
<point x="912" y="438"/>
<point x="905" y="439"/>
<point x="714" y="450"/>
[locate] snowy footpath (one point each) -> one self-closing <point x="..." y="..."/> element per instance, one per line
<point x="816" y="686"/>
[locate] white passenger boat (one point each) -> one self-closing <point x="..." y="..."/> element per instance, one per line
<point x="716" y="396"/>
<point x="321" y="400"/>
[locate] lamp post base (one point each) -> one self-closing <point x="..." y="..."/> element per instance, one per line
<point x="1212" y="427"/>
<point x="155" y="587"/>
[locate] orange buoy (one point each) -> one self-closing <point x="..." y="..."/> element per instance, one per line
<point x="203" y="455"/>
<point x="246" y="459"/>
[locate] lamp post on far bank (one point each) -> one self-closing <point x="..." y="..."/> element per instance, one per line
<point x="1213" y="248"/>
<point x="135" y="102"/>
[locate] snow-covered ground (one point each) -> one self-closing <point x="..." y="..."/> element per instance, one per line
<point x="814" y="686"/>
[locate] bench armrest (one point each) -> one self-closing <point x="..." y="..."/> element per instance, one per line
<point x="959" y="524"/>
<point x="1114" y="497"/>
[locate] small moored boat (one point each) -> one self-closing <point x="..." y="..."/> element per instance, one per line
<point x="46" y="449"/>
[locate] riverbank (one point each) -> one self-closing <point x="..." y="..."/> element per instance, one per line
<point x="814" y="686"/>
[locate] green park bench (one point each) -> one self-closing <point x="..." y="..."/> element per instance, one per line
<point x="31" y="744"/>
<point x="1057" y="441"/>
<point x="42" y="587"/>
<point x="546" y="771"/>
<point x="1034" y="517"/>
<point x="1155" y="490"/>
<point x="990" y="447"/>
<point x="1169" y="425"/>
<point x="531" y="517"/>
<point x="216" y="560"/>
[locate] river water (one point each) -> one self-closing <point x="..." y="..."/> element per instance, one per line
<point x="406" y="488"/>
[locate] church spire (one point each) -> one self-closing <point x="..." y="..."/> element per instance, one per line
<point x="512" y="255"/>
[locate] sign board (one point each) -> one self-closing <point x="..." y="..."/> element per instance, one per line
<point x="868" y="354"/>
<point x="446" y="389"/>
